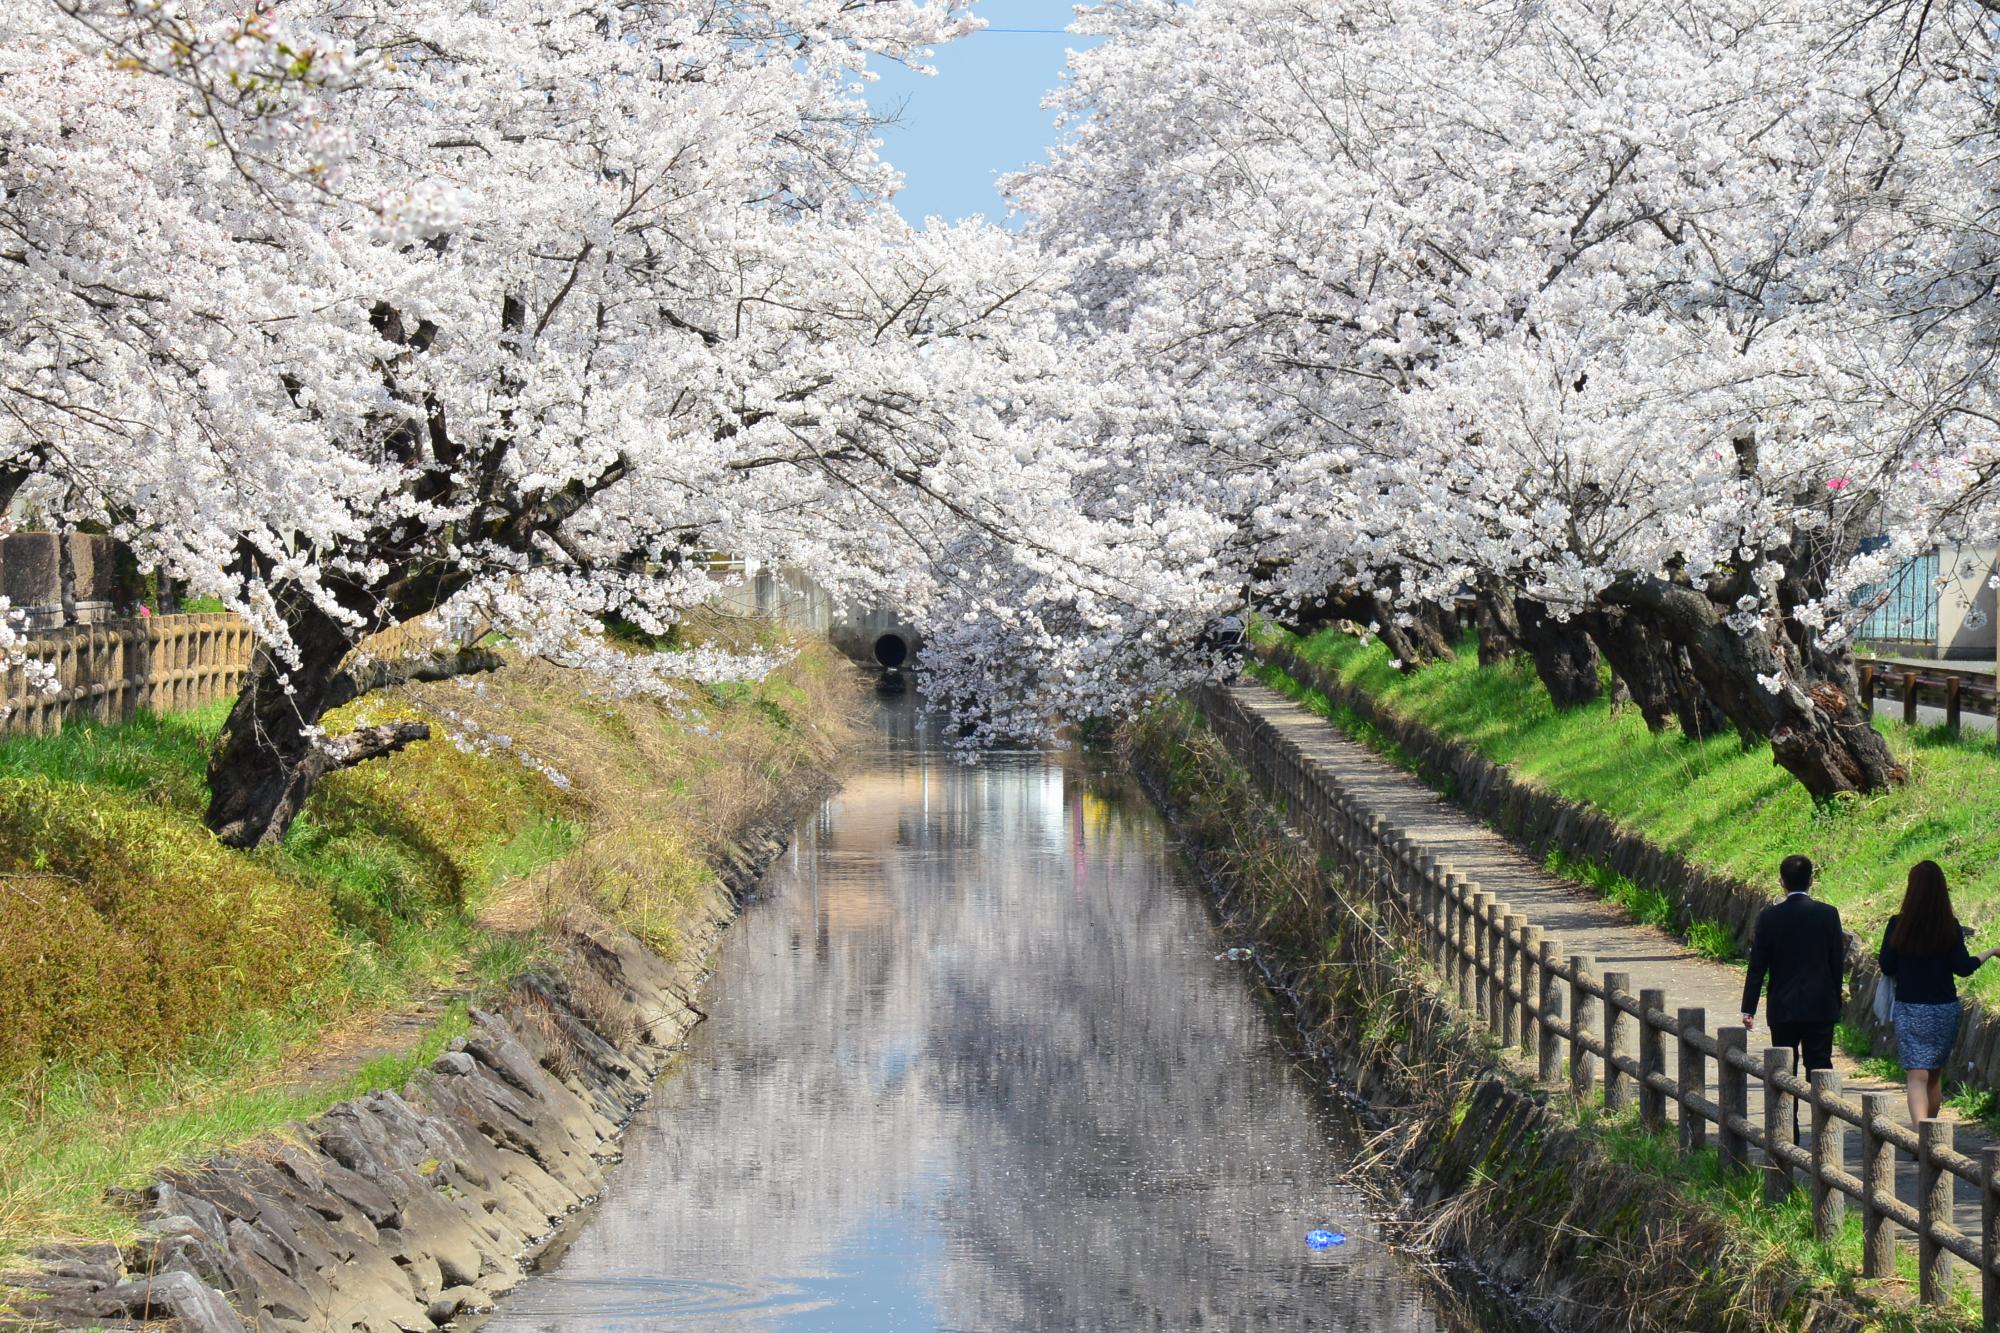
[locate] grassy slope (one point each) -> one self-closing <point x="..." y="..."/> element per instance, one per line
<point x="159" y="993"/>
<point x="1721" y="804"/>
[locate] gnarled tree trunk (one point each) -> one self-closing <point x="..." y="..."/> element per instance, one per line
<point x="1494" y="621"/>
<point x="270" y="755"/>
<point x="1816" y="729"/>
<point x="1565" y="658"/>
<point x="1654" y="671"/>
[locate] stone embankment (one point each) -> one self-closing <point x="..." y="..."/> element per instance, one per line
<point x="413" y="1210"/>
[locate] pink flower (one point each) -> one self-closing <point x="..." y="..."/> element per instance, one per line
<point x="1837" y="483"/>
<point x="145" y="611"/>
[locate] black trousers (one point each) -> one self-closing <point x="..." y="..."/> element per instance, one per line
<point x="1812" y="1043"/>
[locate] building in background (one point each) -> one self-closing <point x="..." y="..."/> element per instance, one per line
<point x="1939" y="605"/>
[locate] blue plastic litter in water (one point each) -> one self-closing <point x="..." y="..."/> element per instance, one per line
<point x="1319" y="1240"/>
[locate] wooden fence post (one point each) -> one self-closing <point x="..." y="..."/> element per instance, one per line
<point x="1549" y="1065"/>
<point x="1496" y="977"/>
<point x="1989" y="1238"/>
<point x="1909" y="696"/>
<point x="1779" y="1126"/>
<point x="1532" y="988"/>
<point x="1428" y="874"/>
<point x="1868" y="692"/>
<point x="1694" y="1079"/>
<point x="1582" y="1010"/>
<point x="1510" y="979"/>
<point x="1732" y="1096"/>
<point x="1952" y="686"/>
<point x="1829" y="1205"/>
<point x="1652" y="1060"/>
<point x="1454" y="936"/>
<point x="1617" y="1042"/>
<point x="1467" y="945"/>
<point x="1933" y="1210"/>
<point x="1482" y="955"/>
<point x="1878" y="1182"/>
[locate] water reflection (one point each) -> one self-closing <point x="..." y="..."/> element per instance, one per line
<point x="972" y="1064"/>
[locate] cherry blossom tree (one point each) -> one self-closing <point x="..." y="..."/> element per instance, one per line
<point x="1634" y="321"/>
<point x="509" y="312"/>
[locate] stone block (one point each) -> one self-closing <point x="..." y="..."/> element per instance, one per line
<point x="28" y="569"/>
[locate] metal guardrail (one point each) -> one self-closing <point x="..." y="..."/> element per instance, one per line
<point x="1519" y="983"/>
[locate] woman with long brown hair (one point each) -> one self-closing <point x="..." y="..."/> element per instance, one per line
<point x="1923" y="950"/>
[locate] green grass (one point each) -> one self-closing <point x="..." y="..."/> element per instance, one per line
<point x="160" y="994"/>
<point x="55" y="1173"/>
<point x="124" y="1052"/>
<point x="1724" y="805"/>
<point x="1767" y="1234"/>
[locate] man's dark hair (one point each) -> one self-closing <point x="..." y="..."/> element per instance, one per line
<point x="1796" y="873"/>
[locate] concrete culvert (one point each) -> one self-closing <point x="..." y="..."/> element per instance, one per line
<point x="891" y="651"/>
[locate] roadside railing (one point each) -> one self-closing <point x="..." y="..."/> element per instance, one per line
<point x="1957" y="691"/>
<point x="111" y="670"/>
<point x="1587" y="1030"/>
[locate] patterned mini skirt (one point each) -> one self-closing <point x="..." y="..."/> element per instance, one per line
<point x="1925" y="1034"/>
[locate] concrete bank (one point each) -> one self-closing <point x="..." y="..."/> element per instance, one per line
<point x="1498" y="1175"/>
<point x="414" y="1210"/>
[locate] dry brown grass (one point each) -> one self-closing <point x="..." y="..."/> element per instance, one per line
<point x="660" y="789"/>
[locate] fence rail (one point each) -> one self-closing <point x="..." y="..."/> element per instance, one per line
<point x="112" y="670"/>
<point x="1588" y="1030"/>
<point x="1956" y="690"/>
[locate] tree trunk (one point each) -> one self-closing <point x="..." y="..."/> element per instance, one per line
<point x="66" y="573"/>
<point x="1493" y="619"/>
<point x="261" y="770"/>
<point x="1817" y="732"/>
<point x="269" y="758"/>
<point x="1647" y="666"/>
<point x="1697" y="714"/>
<point x="1564" y="657"/>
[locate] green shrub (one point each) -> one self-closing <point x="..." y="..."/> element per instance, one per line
<point x="126" y="932"/>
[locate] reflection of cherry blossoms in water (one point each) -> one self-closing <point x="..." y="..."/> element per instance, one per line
<point x="973" y="1063"/>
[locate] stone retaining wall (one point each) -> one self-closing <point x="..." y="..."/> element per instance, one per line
<point x="412" y="1210"/>
<point x="1541" y="821"/>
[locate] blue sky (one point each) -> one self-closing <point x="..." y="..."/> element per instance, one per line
<point x="980" y="116"/>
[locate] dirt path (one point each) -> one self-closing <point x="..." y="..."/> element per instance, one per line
<point x="1585" y="924"/>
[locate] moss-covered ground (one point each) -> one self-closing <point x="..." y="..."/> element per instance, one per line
<point x="163" y="996"/>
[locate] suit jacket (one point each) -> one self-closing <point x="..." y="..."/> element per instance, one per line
<point x="1798" y="943"/>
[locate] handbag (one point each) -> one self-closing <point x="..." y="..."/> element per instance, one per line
<point x="1885" y="1000"/>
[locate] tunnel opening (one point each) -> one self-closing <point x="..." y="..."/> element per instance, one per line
<point x="891" y="651"/>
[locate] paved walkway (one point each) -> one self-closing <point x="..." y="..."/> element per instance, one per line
<point x="1585" y="923"/>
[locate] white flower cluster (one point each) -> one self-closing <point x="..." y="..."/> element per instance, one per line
<point x="346" y="311"/>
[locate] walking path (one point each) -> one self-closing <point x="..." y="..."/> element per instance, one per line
<point x="1586" y="924"/>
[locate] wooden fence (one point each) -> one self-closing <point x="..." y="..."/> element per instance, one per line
<point x="110" y="671"/>
<point x="1957" y="690"/>
<point x="1586" y="1029"/>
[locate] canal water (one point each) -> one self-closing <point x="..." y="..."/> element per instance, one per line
<point x="972" y="1062"/>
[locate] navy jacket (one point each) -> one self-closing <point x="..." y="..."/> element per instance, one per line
<point x="1925" y="980"/>
<point x="1799" y="945"/>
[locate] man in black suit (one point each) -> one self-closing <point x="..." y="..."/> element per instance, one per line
<point x="1798" y="943"/>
